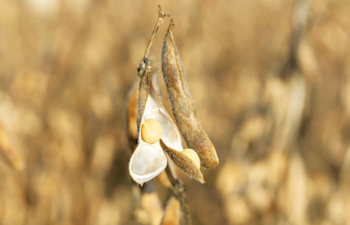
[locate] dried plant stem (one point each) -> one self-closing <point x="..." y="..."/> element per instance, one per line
<point x="299" y="23"/>
<point x="179" y="191"/>
<point x="170" y="176"/>
<point x="161" y="15"/>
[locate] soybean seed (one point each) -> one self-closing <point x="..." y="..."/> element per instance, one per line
<point x="151" y="131"/>
<point x="192" y="155"/>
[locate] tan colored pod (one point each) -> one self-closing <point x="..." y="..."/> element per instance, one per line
<point x="182" y="104"/>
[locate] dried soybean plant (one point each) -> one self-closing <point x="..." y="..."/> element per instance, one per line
<point x="152" y="133"/>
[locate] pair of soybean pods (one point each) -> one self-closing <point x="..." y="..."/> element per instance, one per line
<point x="156" y="131"/>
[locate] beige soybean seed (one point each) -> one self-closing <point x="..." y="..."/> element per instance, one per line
<point x="182" y="104"/>
<point x="151" y="131"/>
<point x="192" y="155"/>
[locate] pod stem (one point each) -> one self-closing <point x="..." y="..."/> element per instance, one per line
<point x="161" y="16"/>
<point x="179" y="191"/>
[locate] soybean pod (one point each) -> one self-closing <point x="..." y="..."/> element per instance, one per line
<point x="182" y="104"/>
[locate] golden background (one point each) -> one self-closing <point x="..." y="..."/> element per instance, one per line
<point x="271" y="88"/>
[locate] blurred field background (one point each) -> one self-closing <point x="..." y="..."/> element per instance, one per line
<point x="270" y="81"/>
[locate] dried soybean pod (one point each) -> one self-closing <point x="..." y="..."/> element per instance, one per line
<point x="131" y="106"/>
<point x="148" y="160"/>
<point x="182" y="104"/>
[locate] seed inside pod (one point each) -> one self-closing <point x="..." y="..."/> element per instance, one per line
<point x="192" y="155"/>
<point x="151" y="131"/>
<point x="186" y="162"/>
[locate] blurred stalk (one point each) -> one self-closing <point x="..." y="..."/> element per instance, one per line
<point x="289" y="124"/>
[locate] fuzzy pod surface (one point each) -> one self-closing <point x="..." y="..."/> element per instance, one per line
<point x="182" y="104"/>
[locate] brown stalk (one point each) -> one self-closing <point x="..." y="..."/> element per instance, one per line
<point x="289" y="125"/>
<point x="161" y="16"/>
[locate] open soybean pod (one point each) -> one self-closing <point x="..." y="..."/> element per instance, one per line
<point x="182" y="104"/>
<point x="131" y="104"/>
<point x="148" y="159"/>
